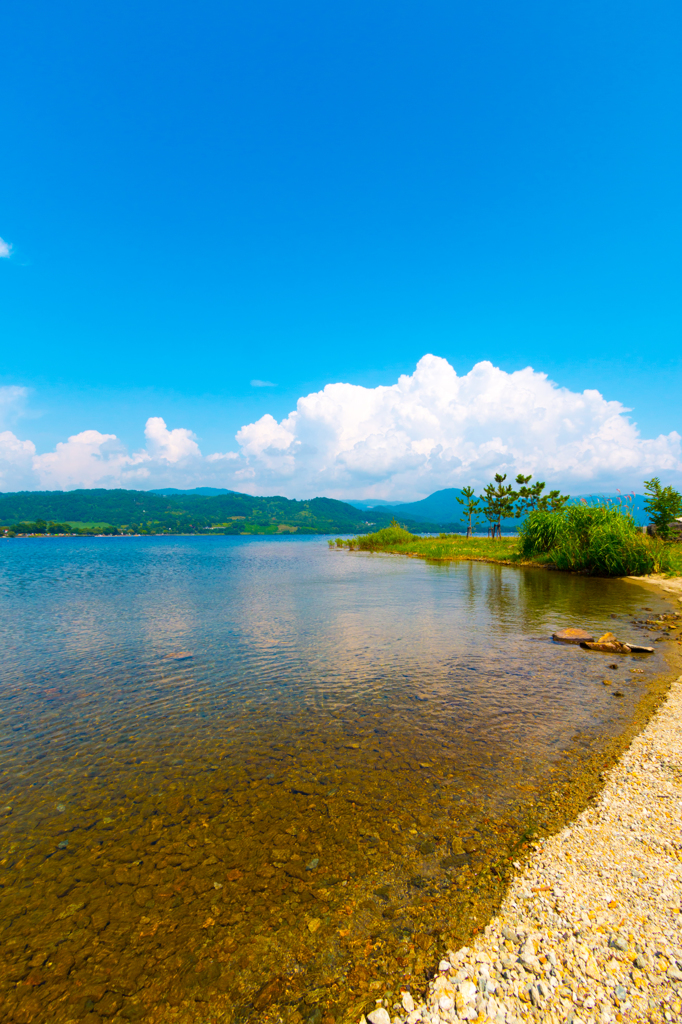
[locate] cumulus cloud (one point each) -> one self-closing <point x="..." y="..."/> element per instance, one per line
<point x="173" y="446"/>
<point x="88" y="459"/>
<point x="429" y="430"/>
<point x="434" y="429"/>
<point x="16" y="463"/>
<point x="93" y="459"/>
<point x="5" y="249"/>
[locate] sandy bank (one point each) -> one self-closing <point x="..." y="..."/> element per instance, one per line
<point x="591" y="929"/>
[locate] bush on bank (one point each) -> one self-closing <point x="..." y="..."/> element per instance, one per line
<point x="598" y="539"/>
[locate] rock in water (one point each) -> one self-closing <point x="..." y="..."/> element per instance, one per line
<point x="572" y="635"/>
<point x="610" y="644"/>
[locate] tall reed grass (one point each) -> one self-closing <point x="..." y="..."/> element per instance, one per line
<point x="602" y="540"/>
<point x="389" y="537"/>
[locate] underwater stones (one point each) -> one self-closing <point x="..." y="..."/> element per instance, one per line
<point x="454" y="861"/>
<point x="99" y="918"/>
<point x="127" y="875"/>
<point x="427" y="847"/>
<point x="142" y="895"/>
<point x="61" y="963"/>
<point x="572" y="635"/>
<point x="271" y="992"/>
<point x="109" y="1004"/>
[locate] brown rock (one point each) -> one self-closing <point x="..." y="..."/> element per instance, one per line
<point x="100" y="918"/>
<point x="143" y="895"/>
<point x="108" y="1005"/>
<point x="271" y="992"/>
<point x="607" y="646"/>
<point x="572" y="635"/>
<point x="61" y="963"/>
<point x="127" y="875"/>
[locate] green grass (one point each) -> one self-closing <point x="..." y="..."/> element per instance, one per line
<point x="396" y="540"/>
<point x="599" y="540"/>
<point x="86" y="526"/>
<point x="594" y="540"/>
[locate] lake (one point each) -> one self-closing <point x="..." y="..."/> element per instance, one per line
<point x="253" y="778"/>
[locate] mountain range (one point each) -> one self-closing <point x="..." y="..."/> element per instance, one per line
<point x="170" y="510"/>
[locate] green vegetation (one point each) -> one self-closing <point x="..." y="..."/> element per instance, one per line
<point x="663" y="505"/>
<point x="501" y="501"/>
<point x="599" y="540"/>
<point x="471" y="507"/>
<point x="397" y="540"/>
<point x="602" y="540"/>
<point x="142" y="512"/>
<point x="50" y="529"/>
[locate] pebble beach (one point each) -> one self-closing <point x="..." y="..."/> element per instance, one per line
<point x="591" y="928"/>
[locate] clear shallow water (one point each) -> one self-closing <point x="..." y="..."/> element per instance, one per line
<point x="285" y="823"/>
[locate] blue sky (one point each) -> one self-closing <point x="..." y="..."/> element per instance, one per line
<point x="200" y="195"/>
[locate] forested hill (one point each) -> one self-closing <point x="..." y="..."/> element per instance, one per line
<point x="149" y="512"/>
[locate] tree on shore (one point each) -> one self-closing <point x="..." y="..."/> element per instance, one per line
<point x="498" y="503"/>
<point x="530" y="498"/>
<point x="663" y="504"/>
<point x="471" y="506"/>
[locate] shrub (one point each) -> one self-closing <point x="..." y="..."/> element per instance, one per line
<point x="663" y="504"/>
<point x="598" y="539"/>
<point x="390" y="536"/>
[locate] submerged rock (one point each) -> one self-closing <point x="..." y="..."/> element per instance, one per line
<point x="572" y="635"/>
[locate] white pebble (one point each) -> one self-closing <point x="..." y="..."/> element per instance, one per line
<point x="407" y="1001"/>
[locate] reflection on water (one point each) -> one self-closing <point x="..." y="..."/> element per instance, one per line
<point x="287" y="823"/>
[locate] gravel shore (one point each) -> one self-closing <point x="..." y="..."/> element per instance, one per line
<point x="591" y="929"/>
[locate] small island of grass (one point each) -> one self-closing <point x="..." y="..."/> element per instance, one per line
<point x="599" y="540"/>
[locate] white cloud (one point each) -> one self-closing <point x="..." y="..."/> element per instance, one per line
<point x="172" y="446"/>
<point x="262" y="384"/>
<point x="429" y="430"/>
<point x="16" y="463"/>
<point x="88" y="459"/>
<point x="5" y="248"/>
<point x="433" y="429"/>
